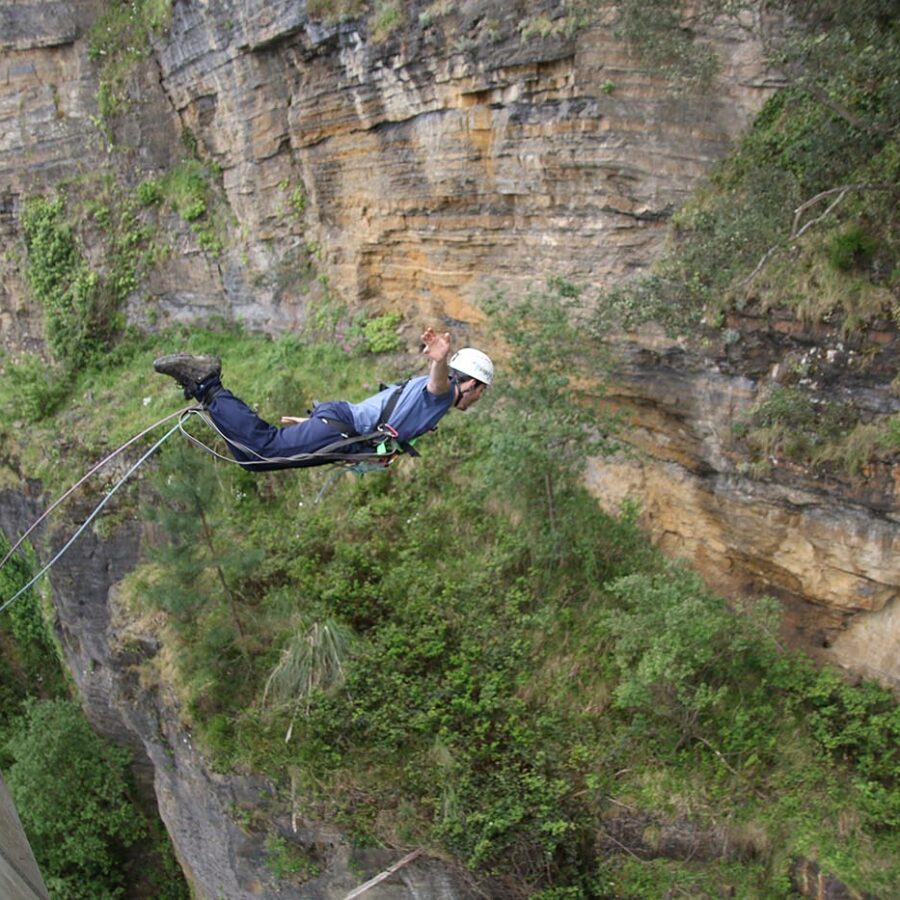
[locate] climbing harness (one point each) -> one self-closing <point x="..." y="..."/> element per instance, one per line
<point x="390" y="443"/>
<point x="383" y="443"/>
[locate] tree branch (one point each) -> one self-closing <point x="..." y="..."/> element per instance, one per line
<point x="385" y="874"/>
<point x="797" y="231"/>
<point x="818" y="93"/>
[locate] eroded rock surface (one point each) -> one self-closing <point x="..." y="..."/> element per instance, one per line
<point x="828" y="547"/>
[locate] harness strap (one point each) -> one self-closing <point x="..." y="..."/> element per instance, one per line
<point x="383" y="430"/>
<point x="383" y="420"/>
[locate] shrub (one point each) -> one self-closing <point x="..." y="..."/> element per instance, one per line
<point x="312" y="660"/>
<point x="79" y="319"/>
<point x="33" y="389"/>
<point x="71" y="790"/>
<point x="287" y="860"/>
<point x="387" y="18"/>
<point x="149" y="193"/>
<point x="851" y="248"/>
<point x="679" y="650"/>
<point x="381" y="333"/>
<point x="548" y="415"/>
<point x="789" y="422"/>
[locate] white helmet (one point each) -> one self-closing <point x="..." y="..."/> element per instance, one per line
<point x="473" y="363"/>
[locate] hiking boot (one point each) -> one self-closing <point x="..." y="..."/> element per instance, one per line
<point x="196" y="374"/>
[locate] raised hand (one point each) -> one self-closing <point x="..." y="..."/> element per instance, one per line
<point x="437" y="346"/>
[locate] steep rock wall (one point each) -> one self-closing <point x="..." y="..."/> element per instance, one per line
<point x="455" y="154"/>
<point x="827" y="547"/>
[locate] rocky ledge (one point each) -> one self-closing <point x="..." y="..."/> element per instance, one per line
<point x="827" y="544"/>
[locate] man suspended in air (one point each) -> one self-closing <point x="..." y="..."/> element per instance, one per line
<point x="337" y="430"/>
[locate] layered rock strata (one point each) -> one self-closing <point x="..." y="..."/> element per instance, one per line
<point x="828" y="546"/>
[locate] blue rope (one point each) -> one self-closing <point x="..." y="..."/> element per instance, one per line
<point x="94" y="514"/>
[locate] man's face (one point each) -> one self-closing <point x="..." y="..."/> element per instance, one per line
<point x="469" y="393"/>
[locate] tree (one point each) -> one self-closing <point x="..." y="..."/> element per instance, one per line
<point x="549" y="411"/>
<point x="71" y="791"/>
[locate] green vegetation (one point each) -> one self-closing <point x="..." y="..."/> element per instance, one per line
<point x="664" y="36"/>
<point x="287" y="861"/>
<point x="35" y="390"/>
<point x="787" y="424"/>
<point x="464" y="653"/>
<point x="380" y="333"/>
<point x="81" y="304"/>
<point x="387" y="17"/>
<point x="72" y="789"/>
<point x="811" y="190"/>
<point x="189" y="190"/>
<point x="336" y="10"/>
<point x="78" y="321"/>
<point x="83" y="325"/>
<point x="117" y="41"/>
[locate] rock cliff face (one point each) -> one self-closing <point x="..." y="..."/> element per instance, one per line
<point x="454" y="153"/>
<point x="829" y="549"/>
<point x="479" y="145"/>
<point x="460" y="152"/>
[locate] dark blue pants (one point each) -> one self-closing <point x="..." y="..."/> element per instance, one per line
<point x="277" y="446"/>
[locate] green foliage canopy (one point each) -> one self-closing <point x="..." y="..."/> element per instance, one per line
<point x="71" y="790"/>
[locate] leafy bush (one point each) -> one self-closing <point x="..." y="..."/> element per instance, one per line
<point x="791" y="423"/>
<point x="71" y="790"/>
<point x="656" y="28"/>
<point x="677" y="648"/>
<point x="149" y="192"/>
<point x="851" y="248"/>
<point x="859" y="724"/>
<point x="189" y="190"/>
<point x="286" y="860"/>
<point x="381" y="333"/>
<point x="548" y="416"/>
<point x="33" y="390"/>
<point x="27" y="623"/>
<point x="387" y="17"/>
<point x="78" y="321"/>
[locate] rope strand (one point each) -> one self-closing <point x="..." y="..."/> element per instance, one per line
<point x="94" y="514"/>
<point x="330" y="453"/>
<point x="84" y="478"/>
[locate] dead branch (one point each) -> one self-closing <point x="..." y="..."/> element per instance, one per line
<point x="356" y="892"/>
<point x="803" y="207"/>
<point x="797" y="231"/>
